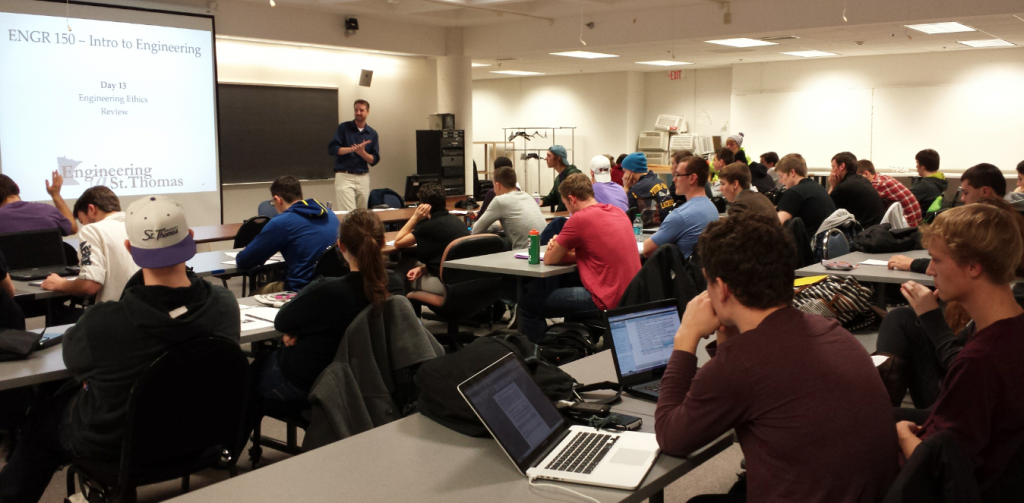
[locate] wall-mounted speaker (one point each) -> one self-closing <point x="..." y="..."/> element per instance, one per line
<point x="365" y="78"/>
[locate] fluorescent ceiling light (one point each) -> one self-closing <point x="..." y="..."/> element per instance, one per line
<point x="475" y="65"/>
<point x="810" y="54"/>
<point x="584" y="54"/>
<point x="516" y="72"/>
<point x="663" y="62"/>
<point x="933" y="28"/>
<point x="741" y="42"/>
<point x="995" y="42"/>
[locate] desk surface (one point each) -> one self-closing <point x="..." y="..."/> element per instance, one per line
<point x="506" y="263"/>
<point x="425" y="462"/>
<point x="872" y="273"/>
<point x="212" y="233"/>
<point x="48" y="364"/>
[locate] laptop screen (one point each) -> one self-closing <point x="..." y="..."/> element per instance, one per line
<point x="513" y="407"/>
<point x="643" y="340"/>
<point x="28" y="250"/>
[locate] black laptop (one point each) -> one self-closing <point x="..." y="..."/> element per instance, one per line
<point x="33" y="255"/>
<point x="642" y="339"/>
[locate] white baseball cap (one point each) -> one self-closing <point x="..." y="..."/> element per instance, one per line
<point x="158" y="232"/>
<point x="601" y="168"/>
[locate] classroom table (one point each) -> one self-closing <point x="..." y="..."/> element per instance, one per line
<point x="48" y="364"/>
<point x="507" y="263"/>
<point x="416" y="459"/>
<point x="213" y="233"/>
<point x="872" y="273"/>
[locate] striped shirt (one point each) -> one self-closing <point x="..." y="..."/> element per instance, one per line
<point x="892" y="191"/>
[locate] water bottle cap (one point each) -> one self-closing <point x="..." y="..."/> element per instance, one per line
<point x="533" y="232"/>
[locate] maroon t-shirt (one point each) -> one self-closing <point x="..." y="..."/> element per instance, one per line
<point x="812" y="416"/>
<point x="982" y="399"/>
<point x="21" y="216"/>
<point x="606" y="251"/>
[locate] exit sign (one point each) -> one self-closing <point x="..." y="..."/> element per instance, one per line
<point x="675" y="75"/>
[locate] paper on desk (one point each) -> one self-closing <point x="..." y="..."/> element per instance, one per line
<point x="878" y="359"/>
<point x="875" y="262"/>
<point x="231" y="254"/>
<point x="640" y="247"/>
<point x="249" y="323"/>
<point x="526" y="255"/>
<point x="390" y="243"/>
<point x="458" y="212"/>
<point x="268" y="262"/>
<point x="243" y="307"/>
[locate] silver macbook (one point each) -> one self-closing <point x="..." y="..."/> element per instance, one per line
<point x="539" y="440"/>
<point x="642" y="339"/>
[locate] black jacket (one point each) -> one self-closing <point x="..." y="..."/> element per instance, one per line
<point x="759" y="177"/>
<point x="939" y="471"/>
<point x="882" y="239"/>
<point x="114" y="342"/>
<point x="927" y="189"/>
<point x="663" y="276"/>
<point x="798" y="232"/>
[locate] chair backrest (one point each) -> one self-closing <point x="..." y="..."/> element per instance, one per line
<point x="554" y="227"/>
<point x="249" y="230"/>
<point x="188" y="404"/>
<point x="466" y="247"/>
<point x="386" y="197"/>
<point x="70" y="254"/>
<point x="331" y="264"/>
<point x="267" y="209"/>
<point x="834" y="245"/>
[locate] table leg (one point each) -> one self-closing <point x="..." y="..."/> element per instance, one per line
<point x="880" y="295"/>
<point x="658" y="497"/>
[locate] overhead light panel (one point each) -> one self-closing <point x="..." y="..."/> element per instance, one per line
<point x="477" y="65"/>
<point x="741" y="42"/>
<point x="994" y="42"/>
<point x="516" y="72"/>
<point x="935" y="28"/>
<point x="584" y="54"/>
<point x="810" y="54"/>
<point x="663" y="62"/>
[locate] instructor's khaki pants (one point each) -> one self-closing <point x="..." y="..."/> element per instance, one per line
<point x="351" y="191"/>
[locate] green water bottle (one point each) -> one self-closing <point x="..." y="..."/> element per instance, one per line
<point x="534" y="247"/>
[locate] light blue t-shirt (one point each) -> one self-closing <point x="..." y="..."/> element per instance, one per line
<point x="683" y="226"/>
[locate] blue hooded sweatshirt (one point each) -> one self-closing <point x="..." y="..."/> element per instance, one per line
<point x="301" y="234"/>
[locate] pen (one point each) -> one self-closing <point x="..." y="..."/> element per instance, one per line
<point x="258" y="318"/>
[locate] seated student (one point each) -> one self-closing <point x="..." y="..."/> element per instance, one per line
<point x="314" y="322"/>
<point x="644" y="189"/>
<point x="11" y="315"/>
<point x="685" y="223"/>
<point x="932" y="183"/>
<point x="811" y="415"/>
<point x="762" y="174"/>
<point x="112" y="345"/>
<point x="735" y="145"/>
<point x="804" y="198"/>
<point x="605" y="190"/>
<point x="431" y="229"/>
<point x="736" y="189"/>
<point x="516" y="210"/>
<point x="891" y="191"/>
<point x="499" y="163"/>
<point x="617" y="169"/>
<point x="106" y="265"/>
<point x="854" y="193"/>
<point x="302" y="231"/>
<point x="20" y="216"/>
<point x="599" y="239"/>
<point x="920" y="338"/>
<point x="1016" y="198"/>
<point x="978" y="182"/>
<point x="973" y="263"/>
<point x="557" y="159"/>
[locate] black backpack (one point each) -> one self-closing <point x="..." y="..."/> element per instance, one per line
<point x="438" y="379"/>
<point x="566" y="342"/>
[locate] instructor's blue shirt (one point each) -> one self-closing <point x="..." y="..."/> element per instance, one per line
<point x="348" y="134"/>
<point x="301" y="234"/>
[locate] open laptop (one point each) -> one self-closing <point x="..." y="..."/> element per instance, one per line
<point x="642" y="338"/>
<point x="35" y="255"/>
<point x="540" y="442"/>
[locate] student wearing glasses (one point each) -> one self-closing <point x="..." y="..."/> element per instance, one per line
<point x="684" y="224"/>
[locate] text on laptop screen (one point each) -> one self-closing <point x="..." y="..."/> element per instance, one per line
<point x="644" y="340"/>
<point x="515" y="409"/>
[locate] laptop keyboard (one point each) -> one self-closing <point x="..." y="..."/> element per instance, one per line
<point x="654" y="387"/>
<point x="584" y="453"/>
<point x="40" y="272"/>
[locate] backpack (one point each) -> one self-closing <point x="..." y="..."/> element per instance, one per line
<point x="843" y="299"/>
<point x="775" y="195"/>
<point x="566" y="342"/>
<point x="438" y="379"/>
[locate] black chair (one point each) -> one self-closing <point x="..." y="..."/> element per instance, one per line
<point x="186" y="413"/>
<point x="466" y="292"/>
<point x="631" y="213"/>
<point x="295" y="416"/>
<point x="331" y="264"/>
<point x="246" y="233"/>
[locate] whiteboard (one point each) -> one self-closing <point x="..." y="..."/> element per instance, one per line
<point x="817" y="124"/>
<point x="966" y="124"/>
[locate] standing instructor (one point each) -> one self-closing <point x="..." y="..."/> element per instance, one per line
<point x="356" y="148"/>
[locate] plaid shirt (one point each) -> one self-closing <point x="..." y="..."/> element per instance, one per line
<point x="892" y="191"/>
